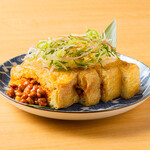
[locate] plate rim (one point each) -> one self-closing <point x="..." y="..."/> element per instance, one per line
<point x="60" y="111"/>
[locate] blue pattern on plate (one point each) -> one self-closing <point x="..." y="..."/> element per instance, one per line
<point x="114" y="104"/>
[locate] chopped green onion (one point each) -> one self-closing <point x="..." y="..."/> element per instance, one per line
<point x="74" y="51"/>
<point x="42" y="45"/>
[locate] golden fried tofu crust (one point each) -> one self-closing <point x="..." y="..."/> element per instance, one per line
<point x="64" y="88"/>
<point x="111" y="83"/>
<point x="110" y="76"/>
<point x="119" y="78"/>
<point x="89" y="81"/>
<point x="130" y="79"/>
<point x="60" y="85"/>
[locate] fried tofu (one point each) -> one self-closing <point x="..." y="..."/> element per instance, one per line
<point x="87" y="87"/>
<point x="130" y="79"/>
<point x="63" y="96"/>
<point x="60" y="86"/>
<point x="111" y="83"/>
<point x="119" y="78"/>
<point x="89" y="81"/>
<point x="110" y="76"/>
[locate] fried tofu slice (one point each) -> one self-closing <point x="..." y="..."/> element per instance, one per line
<point x="59" y="84"/>
<point x="110" y="76"/>
<point x="63" y="96"/>
<point x="89" y="81"/>
<point x="119" y="78"/>
<point x="111" y="83"/>
<point x="130" y="79"/>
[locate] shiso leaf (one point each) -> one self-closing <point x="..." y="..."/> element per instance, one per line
<point x="111" y="33"/>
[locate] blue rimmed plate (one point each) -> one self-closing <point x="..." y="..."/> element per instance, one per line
<point x="77" y="111"/>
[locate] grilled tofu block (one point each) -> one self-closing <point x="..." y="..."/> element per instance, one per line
<point x="130" y="79"/>
<point x="89" y="82"/>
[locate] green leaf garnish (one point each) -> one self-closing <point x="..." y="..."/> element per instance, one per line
<point x="111" y="33"/>
<point x="42" y="45"/>
<point x="77" y="51"/>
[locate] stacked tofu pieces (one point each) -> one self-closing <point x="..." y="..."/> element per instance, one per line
<point x="88" y="87"/>
<point x="119" y="79"/>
